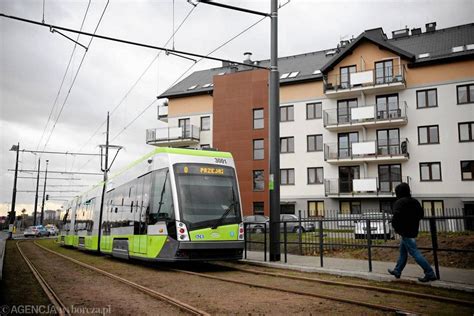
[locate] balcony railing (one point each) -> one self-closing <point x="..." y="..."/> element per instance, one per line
<point x="173" y="136"/>
<point x="365" y="186"/>
<point x="393" y="75"/>
<point x="366" y="115"/>
<point x="370" y="149"/>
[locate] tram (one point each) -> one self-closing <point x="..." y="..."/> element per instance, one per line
<point x="170" y="205"/>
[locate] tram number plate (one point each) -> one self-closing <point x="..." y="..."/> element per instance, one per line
<point x="220" y="161"/>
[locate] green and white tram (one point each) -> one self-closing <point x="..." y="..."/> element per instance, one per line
<point x="170" y="205"/>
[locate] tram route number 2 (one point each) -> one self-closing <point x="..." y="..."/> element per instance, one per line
<point x="220" y="161"/>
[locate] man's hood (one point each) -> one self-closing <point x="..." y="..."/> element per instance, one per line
<point x="402" y="190"/>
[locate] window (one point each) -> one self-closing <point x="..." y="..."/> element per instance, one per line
<point x="258" y="149"/>
<point x="430" y="171"/>
<point x="286" y="113"/>
<point x="344" y="144"/>
<point x="258" y="121"/>
<point x="383" y="71"/>
<point x="386" y="206"/>
<point x="185" y="125"/>
<point x="350" y="207"/>
<point x="315" y="175"/>
<point x="287" y="145"/>
<point x="467" y="170"/>
<point x="315" y="142"/>
<point x="314" y="111"/>
<point x="346" y="176"/>
<point x="287" y="176"/>
<point x="465" y="93"/>
<point x="388" y="107"/>
<point x="258" y="180"/>
<point x="466" y="131"/>
<point x="316" y="208"/>
<point x="205" y="123"/>
<point x="389" y="177"/>
<point x="388" y="142"/>
<point x="428" y="134"/>
<point x="426" y="98"/>
<point x="344" y="110"/>
<point x="258" y="208"/>
<point x="205" y="146"/>
<point x="345" y="79"/>
<point x="287" y="208"/>
<point x="433" y="208"/>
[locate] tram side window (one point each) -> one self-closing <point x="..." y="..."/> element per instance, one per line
<point x="162" y="198"/>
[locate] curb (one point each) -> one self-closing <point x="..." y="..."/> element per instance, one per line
<point x="362" y="275"/>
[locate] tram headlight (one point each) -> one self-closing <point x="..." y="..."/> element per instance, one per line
<point x="182" y="231"/>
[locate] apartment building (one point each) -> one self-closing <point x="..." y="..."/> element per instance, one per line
<point x="356" y="120"/>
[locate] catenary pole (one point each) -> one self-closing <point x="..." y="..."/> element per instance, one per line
<point x="274" y="104"/>
<point x="44" y="193"/>
<point x="12" y="212"/>
<point x="105" y="170"/>
<point x="36" y="195"/>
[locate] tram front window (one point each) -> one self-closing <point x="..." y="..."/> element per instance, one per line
<point x="207" y="195"/>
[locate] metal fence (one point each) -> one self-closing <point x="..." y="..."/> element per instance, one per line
<point x="445" y="233"/>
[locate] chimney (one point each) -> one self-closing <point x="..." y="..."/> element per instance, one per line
<point x="400" y="33"/>
<point x="430" y="27"/>
<point x="416" y="31"/>
<point x="248" y="59"/>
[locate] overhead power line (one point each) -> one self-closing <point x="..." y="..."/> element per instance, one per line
<point x="57" y="152"/>
<point x="64" y="76"/>
<point x="49" y="178"/>
<point x="77" y="71"/>
<point x="58" y="172"/>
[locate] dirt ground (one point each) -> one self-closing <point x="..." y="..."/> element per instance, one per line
<point x="219" y="297"/>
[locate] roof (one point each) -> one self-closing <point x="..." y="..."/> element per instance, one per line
<point x="438" y="44"/>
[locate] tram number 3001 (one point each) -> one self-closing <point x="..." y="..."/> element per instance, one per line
<point x="221" y="161"/>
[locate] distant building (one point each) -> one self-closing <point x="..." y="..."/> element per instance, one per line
<point x="356" y="121"/>
<point x="51" y="215"/>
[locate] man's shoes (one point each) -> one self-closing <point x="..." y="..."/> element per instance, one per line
<point x="428" y="278"/>
<point x="395" y="274"/>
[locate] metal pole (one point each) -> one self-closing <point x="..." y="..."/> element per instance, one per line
<point x="44" y="193"/>
<point x="105" y="169"/>
<point x="36" y="195"/>
<point x="12" y="212"/>
<point x="274" y="98"/>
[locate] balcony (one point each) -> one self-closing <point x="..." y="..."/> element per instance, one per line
<point x="393" y="150"/>
<point x="362" y="188"/>
<point x="173" y="136"/>
<point x="368" y="116"/>
<point x="367" y="81"/>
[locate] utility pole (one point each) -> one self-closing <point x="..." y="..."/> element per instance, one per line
<point x="274" y="104"/>
<point x="36" y="195"/>
<point x="12" y="214"/>
<point x="44" y="193"/>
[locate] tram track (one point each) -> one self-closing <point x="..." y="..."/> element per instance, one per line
<point x="155" y="294"/>
<point x="354" y="285"/>
<point x="379" y="307"/>
<point x="59" y="306"/>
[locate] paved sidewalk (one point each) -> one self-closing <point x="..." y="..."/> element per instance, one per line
<point x="459" y="279"/>
<point x="3" y="238"/>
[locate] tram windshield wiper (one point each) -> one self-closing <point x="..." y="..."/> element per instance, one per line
<point x="231" y="207"/>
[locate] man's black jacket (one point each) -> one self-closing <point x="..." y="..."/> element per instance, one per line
<point x="407" y="213"/>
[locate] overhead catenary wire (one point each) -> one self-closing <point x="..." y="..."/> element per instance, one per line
<point x="64" y="76"/>
<point x="75" y="77"/>
<point x="138" y="79"/>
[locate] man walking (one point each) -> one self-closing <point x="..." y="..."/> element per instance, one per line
<point x="407" y="213"/>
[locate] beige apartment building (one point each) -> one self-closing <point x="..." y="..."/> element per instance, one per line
<point x="356" y="120"/>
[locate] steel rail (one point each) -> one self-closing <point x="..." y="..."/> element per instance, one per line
<point x="302" y="293"/>
<point x="181" y="305"/>
<point x="61" y="309"/>
<point x="354" y="285"/>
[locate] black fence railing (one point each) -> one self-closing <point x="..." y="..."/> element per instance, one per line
<point x="446" y="237"/>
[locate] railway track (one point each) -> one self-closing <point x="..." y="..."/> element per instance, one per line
<point x="354" y="285"/>
<point x="163" y="297"/>
<point x="385" y="308"/>
<point x="59" y="306"/>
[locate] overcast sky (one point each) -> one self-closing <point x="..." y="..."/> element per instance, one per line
<point x="33" y="62"/>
